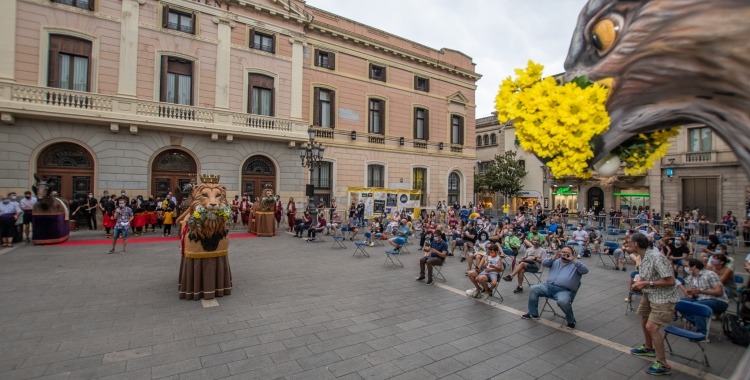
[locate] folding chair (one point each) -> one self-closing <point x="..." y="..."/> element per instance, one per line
<point x="631" y="294"/>
<point x="436" y="272"/>
<point x="319" y="237"/>
<point x="537" y="274"/>
<point x="612" y="236"/>
<point x="378" y="240"/>
<point x="338" y="240"/>
<point x="552" y="309"/>
<point x="612" y="247"/>
<point x="496" y="290"/>
<point x="408" y="238"/>
<point x="729" y="240"/>
<point x="739" y="280"/>
<point x="360" y="247"/>
<point x="509" y="253"/>
<point x="698" y="311"/>
<point x="390" y="254"/>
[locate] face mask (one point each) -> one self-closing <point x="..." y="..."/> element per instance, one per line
<point x="13" y="198"/>
<point x="123" y="193"/>
<point x="714" y="262"/>
<point x="28" y="197"/>
<point x="718" y="251"/>
<point x="432" y="223"/>
<point x="509" y="233"/>
<point x="493" y="253"/>
<point x="6" y="201"/>
<point x="122" y="205"/>
<point x="91" y="196"/>
<point x="535" y="243"/>
<point x="677" y="243"/>
<point x="484" y="238"/>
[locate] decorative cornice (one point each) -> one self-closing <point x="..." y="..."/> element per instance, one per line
<point x="158" y="28"/>
<point x="260" y="52"/>
<point x="225" y="21"/>
<point x="69" y="8"/>
<point x="289" y="11"/>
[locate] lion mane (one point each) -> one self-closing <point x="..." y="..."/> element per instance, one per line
<point x="213" y="227"/>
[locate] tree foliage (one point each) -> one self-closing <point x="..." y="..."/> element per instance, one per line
<point x="503" y="176"/>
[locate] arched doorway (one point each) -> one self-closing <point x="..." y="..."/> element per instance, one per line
<point x="454" y="188"/>
<point x="596" y="199"/>
<point x="172" y="169"/>
<point x="68" y="168"/>
<point x="258" y="172"/>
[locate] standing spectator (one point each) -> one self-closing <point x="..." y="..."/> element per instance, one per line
<point x="703" y="226"/>
<point x="657" y="304"/>
<point x="27" y="205"/>
<point x="91" y="207"/>
<point x="361" y="212"/>
<point x="332" y="208"/>
<point x="433" y="255"/>
<point x="291" y="212"/>
<point x="168" y="221"/>
<point x="123" y="216"/>
<point x="705" y="288"/>
<point x="9" y="213"/>
<point x="563" y="281"/>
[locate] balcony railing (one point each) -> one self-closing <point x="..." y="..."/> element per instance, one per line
<point x="376" y="139"/>
<point x="420" y="144"/>
<point x="323" y="132"/>
<point x="375" y="183"/>
<point x="322" y="183"/>
<point x="699" y="157"/>
<point x="181" y="28"/>
<point x="457" y="148"/>
<point x="77" y="105"/>
<point x="266" y="48"/>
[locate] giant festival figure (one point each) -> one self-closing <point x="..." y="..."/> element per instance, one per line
<point x="50" y="217"/>
<point x="668" y="63"/>
<point x="204" y="226"/>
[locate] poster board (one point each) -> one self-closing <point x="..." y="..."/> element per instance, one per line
<point x="388" y="201"/>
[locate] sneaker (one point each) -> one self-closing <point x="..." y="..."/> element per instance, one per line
<point x="643" y="351"/>
<point x="420" y="278"/>
<point x="529" y="316"/>
<point x="123" y="252"/>
<point x="508" y="278"/>
<point x="111" y="251"/>
<point x="659" y="369"/>
<point x="463" y="259"/>
<point x="571" y="326"/>
<point x="624" y="269"/>
<point x="519" y="289"/>
<point x="616" y="268"/>
<point x="450" y="254"/>
<point x="429" y="282"/>
<point x="476" y="293"/>
<point x="485" y="296"/>
<point x="579" y="255"/>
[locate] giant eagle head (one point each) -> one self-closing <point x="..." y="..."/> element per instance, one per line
<point x="668" y="63"/>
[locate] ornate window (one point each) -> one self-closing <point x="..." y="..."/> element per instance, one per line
<point x="67" y="156"/>
<point x="453" y="181"/>
<point x="258" y="165"/>
<point x="174" y="162"/>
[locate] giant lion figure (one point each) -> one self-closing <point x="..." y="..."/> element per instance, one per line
<point x="204" y="270"/>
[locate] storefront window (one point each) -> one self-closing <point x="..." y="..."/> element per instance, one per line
<point x="633" y="201"/>
<point x="564" y="196"/>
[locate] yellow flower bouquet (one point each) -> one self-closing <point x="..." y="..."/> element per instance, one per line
<point x="560" y="123"/>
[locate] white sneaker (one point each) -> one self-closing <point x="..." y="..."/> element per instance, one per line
<point x="579" y="256"/>
<point x="470" y="293"/>
<point x="485" y="296"/>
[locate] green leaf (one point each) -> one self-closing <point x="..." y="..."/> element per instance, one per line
<point x="582" y="81"/>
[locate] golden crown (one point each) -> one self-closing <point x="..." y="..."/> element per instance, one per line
<point x="205" y="178"/>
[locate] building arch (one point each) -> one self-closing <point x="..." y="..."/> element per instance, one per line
<point x="455" y="190"/>
<point x="170" y="168"/>
<point x="69" y="168"/>
<point x="258" y="172"/>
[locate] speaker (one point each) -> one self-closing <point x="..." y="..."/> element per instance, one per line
<point x="309" y="190"/>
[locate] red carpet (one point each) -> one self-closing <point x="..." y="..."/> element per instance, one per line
<point x="136" y="240"/>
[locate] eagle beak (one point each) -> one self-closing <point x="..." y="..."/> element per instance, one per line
<point x="606" y="82"/>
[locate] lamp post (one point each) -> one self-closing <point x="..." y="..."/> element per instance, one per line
<point x="311" y="154"/>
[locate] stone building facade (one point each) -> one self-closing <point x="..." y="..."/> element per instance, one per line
<point x="144" y="95"/>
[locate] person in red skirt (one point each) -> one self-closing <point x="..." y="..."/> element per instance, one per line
<point x="150" y="214"/>
<point x="139" y="220"/>
<point x="108" y="221"/>
<point x="291" y="212"/>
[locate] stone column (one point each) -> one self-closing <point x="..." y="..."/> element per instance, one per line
<point x="297" y="59"/>
<point x="8" y="41"/>
<point x="223" y="58"/>
<point x="129" y="47"/>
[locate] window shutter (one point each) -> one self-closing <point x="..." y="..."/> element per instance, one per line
<point x="91" y="5"/>
<point x="251" y="36"/>
<point x="332" y="61"/>
<point x="426" y="125"/>
<point x="164" y="67"/>
<point x="332" y="96"/>
<point x="382" y="117"/>
<point x="316" y="106"/>
<point x="53" y="61"/>
<point x="273" y="101"/>
<point x="414" y="132"/>
<point x="427" y="85"/>
<point x="273" y="43"/>
<point x="250" y="93"/>
<point x="316" y="58"/>
<point x="165" y="16"/>
<point x="384" y="72"/>
<point x="416" y="81"/>
<point x="370" y="71"/>
<point x="461" y="130"/>
<point x="193" y="101"/>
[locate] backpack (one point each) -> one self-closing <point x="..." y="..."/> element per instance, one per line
<point x="744" y="300"/>
<point x="587" y="253"/>
<point x="735" y="331"/>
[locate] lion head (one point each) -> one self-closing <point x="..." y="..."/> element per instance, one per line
<point x="213" y="228"/>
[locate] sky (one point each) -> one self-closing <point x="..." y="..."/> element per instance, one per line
<point x="500" y="35"/>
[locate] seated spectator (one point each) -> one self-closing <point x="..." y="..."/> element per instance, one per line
<point x="469" y="237"/>
<point x="529" y="263"/>
<point x="713" y="246"/>
<point x="533" y="232"/>
<point x="580" y="237"/>
<point x="458" y="241"/>
<point x="353" y="226"/>
<point x="492" y="267"/>
<point x="703" y="287"/>
<point x="679" y="252"/>
<point x="318" y="228"/>
<point x="429" y="233"/>
<point x="618" y="256"/>
<point x="513" y="243"/>
<point x="595" y="236"/>
<point x="747" y="262"/>
<point x="433" y="255"/>
<point x="480" y="250"/>
<point x="306" y="222"/>
<point x="375" y="228"/>
<point x="418" y="224"/>
<point x="719" y="264"/>
<point x="557" y="238"/>
<point x="563" y="281"/>
<point x="497" y="234"/>
<point x="335" y="224"/>
<point x="403" y="233"/>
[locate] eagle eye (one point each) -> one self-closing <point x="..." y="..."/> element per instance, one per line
<point x="604" y="33"/>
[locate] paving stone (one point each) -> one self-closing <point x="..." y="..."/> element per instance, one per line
<point x="319" y="360"/>
<point x="348" y="366"/>
<point x="127" y="354"/>
<point x="349" y="352"/>
<point x="313" y="374"/>
<point x="209" y="373"/>
<point x="380" y="372"/>
<point x="74" y="364"/>
<point x="444" y="367"/>
<point x="223" y="358"/>
<point x="175" y="368"/>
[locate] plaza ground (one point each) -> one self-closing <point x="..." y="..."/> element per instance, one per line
<point x="303" y="311"/>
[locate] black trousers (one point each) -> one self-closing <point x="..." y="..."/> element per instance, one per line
<point x="299" y="228"/>
<point x="92" y="219"/>
<point x="167" y="229"/>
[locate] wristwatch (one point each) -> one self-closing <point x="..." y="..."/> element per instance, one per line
<point x="651" y="284"/>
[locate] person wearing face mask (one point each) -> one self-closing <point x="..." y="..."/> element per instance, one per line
<point x="533" y="232"/>
<point x="580" y="237"/>
<point x="429" y="232"/>
<point x="27" y="205"/>
<point x="235" y="206"/>
<point x="108" y="222"/>
<point x="9" y="213"/>
<point x="434" y="255"/>
<point x="529" y="263"/>
<point x="704" y="287"/>
<point x="563" y="281"/>
<point x="124" y="196"/>
<point x="513" y="243"/>
<point x="470" y="238"/>
<point x="123" y="217"/>
<point x="479" y="252"/>
<point x="91" y="205"/>
<point x="482" y="279"/>
<point x="679" y="251"/>
<point x="150" y="214"/>
<point x="719" y="264"/>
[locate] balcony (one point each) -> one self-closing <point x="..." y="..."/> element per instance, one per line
<point x="376" y="139"/>
<point x="181" y="28"/>
<point x="697" y="157"/>
<point x="457" y="148"/>
<point x="323" y="132"/>
<point x="54" y="103"/>
<point x="420" y="144"/>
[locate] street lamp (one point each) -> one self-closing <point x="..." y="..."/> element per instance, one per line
<point x="311" y="155"/>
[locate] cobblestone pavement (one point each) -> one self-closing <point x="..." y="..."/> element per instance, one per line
<point x="301" y="311"/>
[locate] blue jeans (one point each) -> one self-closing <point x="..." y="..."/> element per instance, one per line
<point x="564" y="298"/>
<point x="580" y="245"/>
<point x="717" y="306"/>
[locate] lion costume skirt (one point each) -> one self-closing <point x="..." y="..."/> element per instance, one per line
<point x="204" y="274"/>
